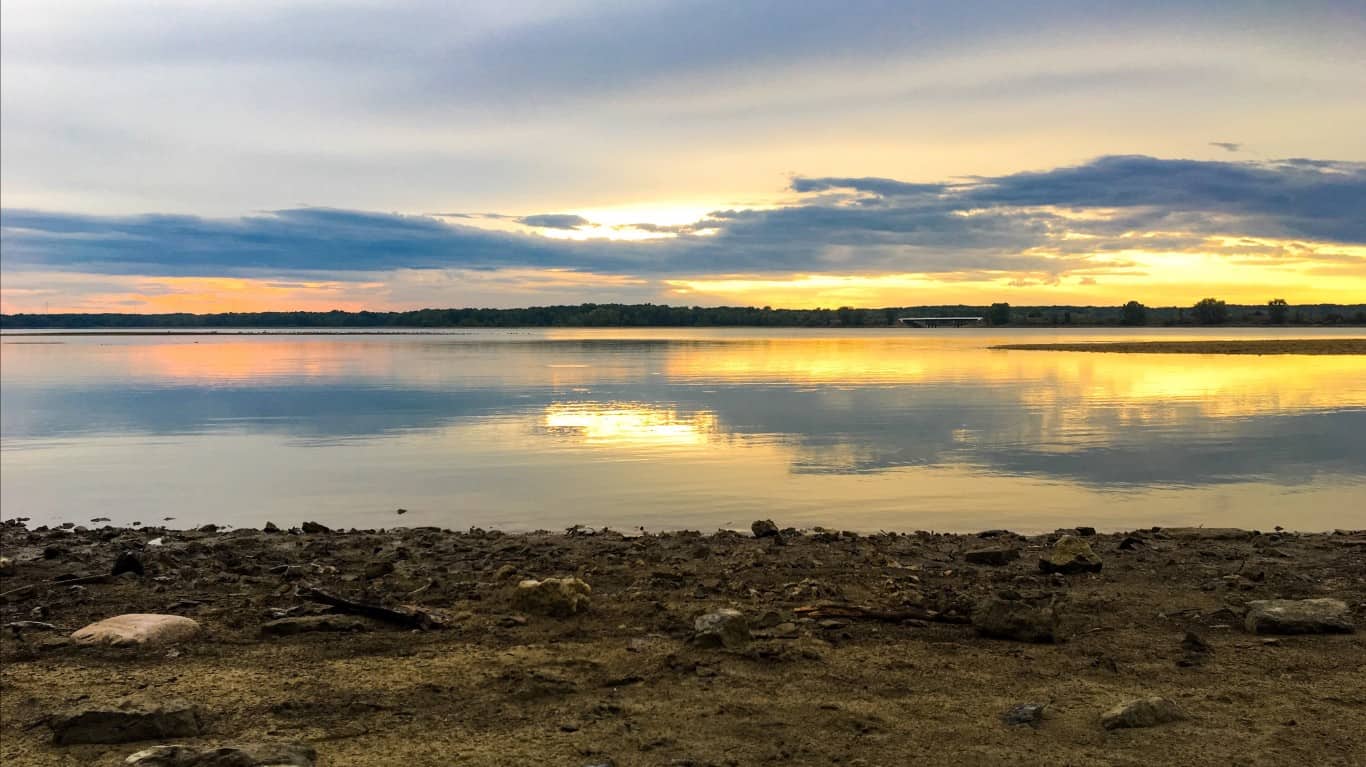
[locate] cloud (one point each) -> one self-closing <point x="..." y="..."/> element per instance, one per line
<point x="1033" y="226"/>
<point x="555" y="221"/>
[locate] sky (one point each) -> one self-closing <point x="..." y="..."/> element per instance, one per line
<point x="168" y="155"/>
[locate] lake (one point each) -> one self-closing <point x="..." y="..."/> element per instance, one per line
<point x="893" y="429"/>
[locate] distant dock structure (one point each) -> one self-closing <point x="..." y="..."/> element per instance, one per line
<point x="938" y="322"/>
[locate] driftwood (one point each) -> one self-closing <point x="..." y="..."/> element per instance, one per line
<point x="857" y="612"/>
<point x="20" y="626"/>
<point x="59" y="582"/>
<point x="408" y="617"/>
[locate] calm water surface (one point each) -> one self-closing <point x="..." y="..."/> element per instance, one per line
<point x="524" y="429"/>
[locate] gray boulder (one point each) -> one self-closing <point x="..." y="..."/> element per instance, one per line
<point x="1015" y="619"/>
<point x="1299" y="616"/>
<point x="127" y="720"/>
<point x="726" y="628"/>
<point x="1144" y="712"/>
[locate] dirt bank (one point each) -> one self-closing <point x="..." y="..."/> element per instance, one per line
<point x="889" y="672"/>
<point x="1257" y="346"/>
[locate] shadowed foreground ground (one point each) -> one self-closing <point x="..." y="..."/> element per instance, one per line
<point x="1258" y="346"/>
<point x="622" y="684"/>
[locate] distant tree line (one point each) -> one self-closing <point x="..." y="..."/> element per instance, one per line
<point x="1209" y="311"/>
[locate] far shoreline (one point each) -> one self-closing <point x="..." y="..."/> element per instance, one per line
<point x="1286" y="346"/>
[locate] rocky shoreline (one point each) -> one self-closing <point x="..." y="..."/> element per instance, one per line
<point x="420" y="646"/>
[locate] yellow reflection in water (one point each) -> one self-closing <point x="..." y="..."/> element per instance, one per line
<point x="631" y="424"/>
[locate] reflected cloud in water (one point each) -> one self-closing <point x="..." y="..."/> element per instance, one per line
<point x="865" y="405"/>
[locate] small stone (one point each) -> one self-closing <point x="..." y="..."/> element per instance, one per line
<point x="137" y="630"/>
<point x="127" y="562"/>
<point x="400" y="511"/>
<point x="1299" y="616"/>
<point x="378" y="569"/>
<point x="136" y="718"/>
<point x="995" y="534"/>
<point x="726" y="628"/>
<point x="248" y="755"/>
<point x="504" y="572"/>
<point x="1130" y="543"/>
<point x="314" y="527"/>
<point x="7" y="566"/>
<point x="1144" y="712"/>
<point x="1024" y="713"/>
<point x="992" y="557"/>
<point x="764" y="528"/>
<point x="1013" y="619"/>
<point x="313" y="623"/>
<point x="556" y="597"/>
<point x="1070" y="555"/>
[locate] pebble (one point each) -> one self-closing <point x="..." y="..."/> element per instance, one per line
<point x="1024" y="713"/>
<point x="726" y="628"/>
<point x="1143" y="712"/>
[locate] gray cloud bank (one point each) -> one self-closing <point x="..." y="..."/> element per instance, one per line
<point x="1023" y="222"/>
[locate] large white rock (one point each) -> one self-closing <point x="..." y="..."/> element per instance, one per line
<point x="138" y="630"/>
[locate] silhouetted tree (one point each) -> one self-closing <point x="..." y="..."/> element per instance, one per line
<point x="1211" y="311"/>
<point x="1134" y="313"/>
<point x="999" y="314"/>
<point x="1279" y="310"/>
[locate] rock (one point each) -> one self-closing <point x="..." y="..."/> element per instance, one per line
<point x="1085" y="532"/>
<point x="1070" y="555"/>
<point x="378" y="569"/>
<point x="722" y="628"/>
<point x="996" y="533"/>
<point x="127" y="562"/>
<point x="271" y="527"/>
<point x="1298" y="616"/>
<point x="136" y="718"/>
<point x="209" y="528"/>
<point x="1130" y="543"/>
<point x="314" y="527"/>
<point x="556" y="597"/>
<point x="992" y="557"/>
<point x="1015" y="619"/>
<point x="764" y="528"/>
<point x="7" y="566"/>
<point x="1144" y="712"/>
<point x="505" y="572"/>
<point x="1024" y="713"/>
<point x="248" y="755"/>
<point x="313" y="623"/>
<point x="137" y="630"/>
<point x="1196" y="650"/>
